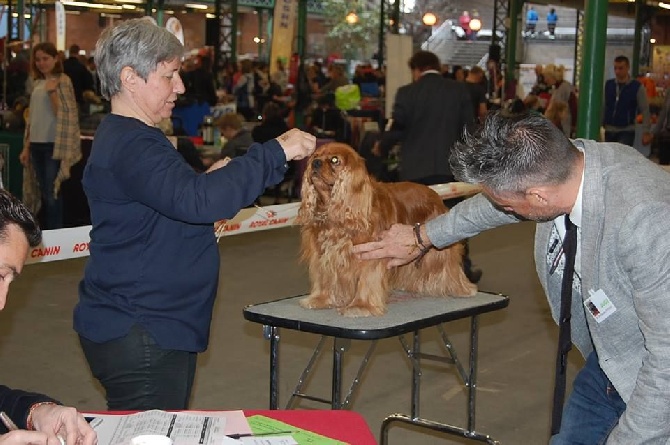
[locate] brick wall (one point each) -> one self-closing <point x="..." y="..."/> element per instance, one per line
<point x="85" y="28"/>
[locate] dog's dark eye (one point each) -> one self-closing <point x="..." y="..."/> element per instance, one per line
<point x="335" y="160"/>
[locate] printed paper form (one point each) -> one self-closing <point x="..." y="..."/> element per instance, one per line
<point x="182" y="428"/>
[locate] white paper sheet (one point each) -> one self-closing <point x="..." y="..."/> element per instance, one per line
<point x="182" y="428"/>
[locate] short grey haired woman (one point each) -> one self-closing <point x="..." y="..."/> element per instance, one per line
<point x="145" y="302"/>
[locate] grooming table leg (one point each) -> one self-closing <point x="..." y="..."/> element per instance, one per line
<point x="470" y="380"/>
<point x="452" y="354"/>
<point x="272" y="333"/>
<point x="339" y="348"/>
<point x="433" y="426"/>
<point x="416" y="374"/>
<point x="359" y="375"/>
<point x="302" y="381"/>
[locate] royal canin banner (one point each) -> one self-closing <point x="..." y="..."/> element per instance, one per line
<point x="63" y="244"/>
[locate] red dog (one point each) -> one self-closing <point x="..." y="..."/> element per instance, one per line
<point x="343" y="206"/>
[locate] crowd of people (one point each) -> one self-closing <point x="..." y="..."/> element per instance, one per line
<point x="631" y="111"/>
<point x="141" y="325"/>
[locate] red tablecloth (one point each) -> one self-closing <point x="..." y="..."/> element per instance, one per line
<point x="347" y="426"/>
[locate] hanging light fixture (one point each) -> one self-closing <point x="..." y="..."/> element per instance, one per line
<point x="352" y="17"/>
<point x="475" y="24"/>
<point x="429" y="19"/>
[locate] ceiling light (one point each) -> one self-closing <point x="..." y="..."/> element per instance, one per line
<point x="90" y="5"/>
<point x="126" y="6"/>
<point x="351" y="18"/>
<point x="137" y="2"/>
<point x="475" y="24"/>
<point x="664" y="5"/>
<point x="429" y="19"/>
<point x="195" y="6"/>
<point x="210" y="16"/>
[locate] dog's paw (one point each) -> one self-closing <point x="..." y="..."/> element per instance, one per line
<point x="361" y="311"/>
<point x="319" y="301"/>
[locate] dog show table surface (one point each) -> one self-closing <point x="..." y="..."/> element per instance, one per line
<point x="405" y="314"/>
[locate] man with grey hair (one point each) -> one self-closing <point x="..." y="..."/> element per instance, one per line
<point x="616" y="204"/>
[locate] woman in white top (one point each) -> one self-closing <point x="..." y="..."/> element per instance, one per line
<point x="51" y="141"/>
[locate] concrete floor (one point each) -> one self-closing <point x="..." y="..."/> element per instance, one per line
<point x="40" y="352"/>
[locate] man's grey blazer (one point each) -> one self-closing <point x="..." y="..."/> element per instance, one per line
<point x="625" y="251"/>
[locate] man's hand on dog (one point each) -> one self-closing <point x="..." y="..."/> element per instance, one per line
<point x="297" y="144"/>
<point x="397" y="244"/>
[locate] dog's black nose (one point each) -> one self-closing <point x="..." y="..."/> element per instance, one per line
<point x="316" y="164"/>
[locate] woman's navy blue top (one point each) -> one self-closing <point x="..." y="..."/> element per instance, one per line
<point x="153" y="259"/>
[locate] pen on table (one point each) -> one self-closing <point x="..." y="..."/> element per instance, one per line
<point x="11" y="426"/>
<point x="273" y="433"/>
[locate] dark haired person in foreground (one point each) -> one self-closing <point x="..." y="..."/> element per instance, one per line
<point x="40" y="419"/>
<point x="620" y="204"/>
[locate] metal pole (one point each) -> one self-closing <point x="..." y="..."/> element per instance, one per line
<point x="339" y="347"/>
<point x="160" y="12"/>
<point x="259" y="13"/>
<point x="21" y="20"/>
<point x="382" y="26"/>
<point x="395" y="16"/>
<point x="637" y="42"/>
<point x="218" y="63"/>
<point x="416" y="374"/>
<point x="272" y="332"/>
<point x="472" y="377"/>
<point x="510" y="45"/>
<point x="233" y="31"/>
<point x="10" y="21"/>
<point x="579" y="47"/>
<point x="593" y="69"/>
<point x="494" y="28"/>
<point x="302" y="32"/>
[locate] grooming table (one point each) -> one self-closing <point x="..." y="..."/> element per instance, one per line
<point x="406" y="313"/>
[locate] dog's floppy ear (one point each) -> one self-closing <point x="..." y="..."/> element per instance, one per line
<point x="351" y="197"/>
<point x="308" y="197"/>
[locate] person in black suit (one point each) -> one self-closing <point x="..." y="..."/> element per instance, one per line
<point x="272" y="126"/>
<point x="81" y="77"/>
<point x="429" y="116"/>
<point x="200" y="83"/>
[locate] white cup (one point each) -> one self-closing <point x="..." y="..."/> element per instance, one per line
<point x="151" y="439"/>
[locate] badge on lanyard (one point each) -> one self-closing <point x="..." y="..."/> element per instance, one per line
<point x="599" y="305"/>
